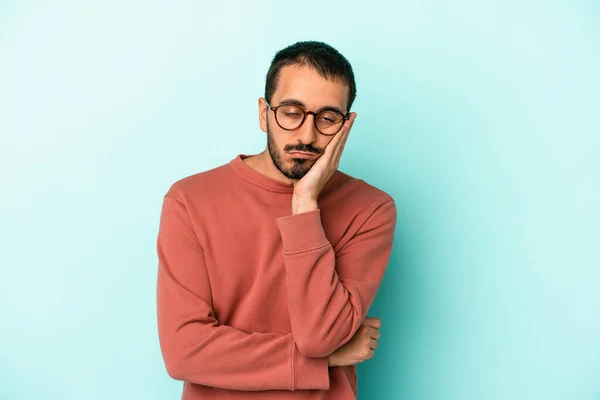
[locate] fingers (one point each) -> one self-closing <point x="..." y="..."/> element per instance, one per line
<point x="374" y="333"/>
<point x="338" y="136"/>
<point x="333" y="148"/>
<point x="343" y="138"/>
<point x="373" y="344"/>
<point x="370" y="354"/>
<point x="373" y="322"/>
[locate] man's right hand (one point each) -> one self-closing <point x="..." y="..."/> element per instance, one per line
<point x="361" y="347"/>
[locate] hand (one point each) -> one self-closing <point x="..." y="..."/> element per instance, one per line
<point x="361" y="347"/>
<point x="307" y="189"/>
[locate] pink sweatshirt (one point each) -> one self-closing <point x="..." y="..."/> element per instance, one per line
<point x="252" y="299"/>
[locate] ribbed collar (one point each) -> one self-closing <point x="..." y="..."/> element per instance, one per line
<point x="258" y="179"/>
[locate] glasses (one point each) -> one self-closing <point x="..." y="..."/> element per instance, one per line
<point x="291" y="116"/>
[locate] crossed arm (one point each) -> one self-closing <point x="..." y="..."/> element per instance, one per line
<point x="328" y="297"/>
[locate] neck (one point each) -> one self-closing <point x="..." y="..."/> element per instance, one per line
<point x="263" y="163"/>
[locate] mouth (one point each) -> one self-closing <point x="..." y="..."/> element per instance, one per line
<point x="300" y="154"/>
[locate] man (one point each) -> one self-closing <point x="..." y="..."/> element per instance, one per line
<point x="268" y="264"/>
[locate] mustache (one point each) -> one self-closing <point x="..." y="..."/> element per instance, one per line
<point x="305" y="148"/>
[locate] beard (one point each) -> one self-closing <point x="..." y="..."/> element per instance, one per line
<point x="300" y="166"/>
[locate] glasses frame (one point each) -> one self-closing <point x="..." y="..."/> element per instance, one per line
<point x="274" y="109"/>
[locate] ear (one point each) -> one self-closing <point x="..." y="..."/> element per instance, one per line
<point x="262" y="113"/>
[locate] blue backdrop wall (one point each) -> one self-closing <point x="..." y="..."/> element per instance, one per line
<point x="481" y="118"/>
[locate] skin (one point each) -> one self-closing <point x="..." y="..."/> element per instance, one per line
<point x="310" y="175"/>
<point x="361" y="347"/>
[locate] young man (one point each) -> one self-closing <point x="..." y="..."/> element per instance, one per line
<point x="268" y="264"/>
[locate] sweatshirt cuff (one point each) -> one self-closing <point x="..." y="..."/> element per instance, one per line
<point x="300" y="232"/>
<point x="310" y="372"/>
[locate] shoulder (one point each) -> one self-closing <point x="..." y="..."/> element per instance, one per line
<point x="357" y="191"/>
<point x="352" y="206"/>
<point x="200" y="184"/>
<point x="350" y="202"/>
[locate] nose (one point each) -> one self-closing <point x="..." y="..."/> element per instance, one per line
<point x="307" y="133"/>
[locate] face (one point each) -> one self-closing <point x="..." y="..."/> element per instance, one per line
<point x="306" y="87"/>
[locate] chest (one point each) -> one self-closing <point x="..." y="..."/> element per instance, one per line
<point x="243" y="257"/>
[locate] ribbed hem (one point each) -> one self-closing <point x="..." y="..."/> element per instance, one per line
<point x="309" y="372"/>
<point x="302" y="232"/>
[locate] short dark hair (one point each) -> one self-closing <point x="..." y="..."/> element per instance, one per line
<point x="326" y="60"/>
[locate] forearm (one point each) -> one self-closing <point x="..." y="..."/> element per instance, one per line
<point x="303" y="204"/>
<point x="222" y="356"/>
<point x="324" y="314"/>
<point x="330" y="293"/>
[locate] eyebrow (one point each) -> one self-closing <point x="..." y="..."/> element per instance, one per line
<point x="299" y="103"/>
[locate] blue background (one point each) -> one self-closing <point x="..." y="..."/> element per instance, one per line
<point x="481" y="118"/>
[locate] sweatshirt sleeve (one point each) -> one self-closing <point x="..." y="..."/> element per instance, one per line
<point x="330" y="293"/>
<point x="195" y="347"/>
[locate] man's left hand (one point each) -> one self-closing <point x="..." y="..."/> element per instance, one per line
<point x="307" y="189"/>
